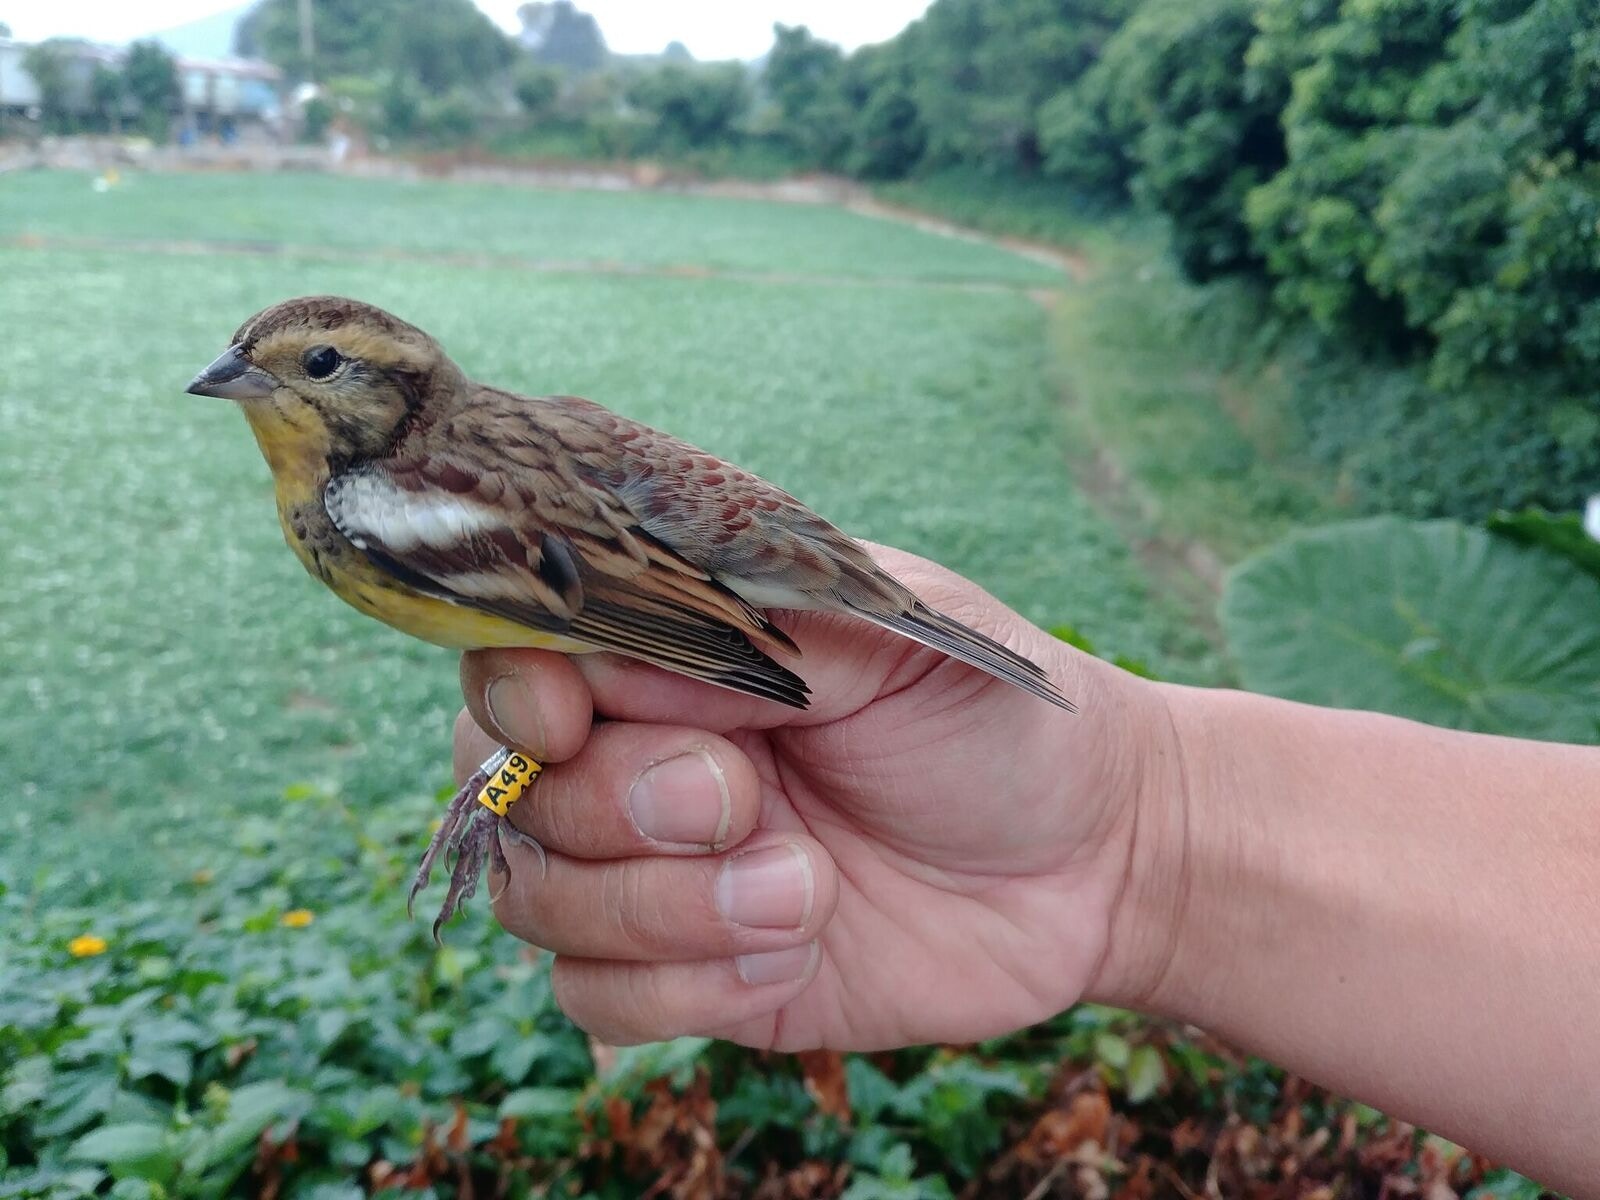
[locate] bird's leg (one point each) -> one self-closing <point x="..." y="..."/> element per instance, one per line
<point x="471" y="835"/>
<point x="457" y="816"/>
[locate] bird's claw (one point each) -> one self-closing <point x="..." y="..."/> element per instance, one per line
<point x="468" y="836"/>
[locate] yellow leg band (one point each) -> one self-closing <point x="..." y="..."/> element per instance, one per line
<point x="507" y="784"/>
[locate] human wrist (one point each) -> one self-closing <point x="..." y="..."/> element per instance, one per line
<point x="1156" y="868"/>
<point x="1322" y="887"/>
<point x="1220" y="868"/>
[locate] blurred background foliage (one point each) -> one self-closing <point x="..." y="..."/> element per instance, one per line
<point x="1409" y="185"/>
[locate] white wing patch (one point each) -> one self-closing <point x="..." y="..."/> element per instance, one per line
<point x="762" y="594"/>
<point x="371" y="507"/>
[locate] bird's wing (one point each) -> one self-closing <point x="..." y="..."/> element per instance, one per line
<point x="524" y="537"/>
<point x="762" y="543"/>
<point x="731" y="524"/>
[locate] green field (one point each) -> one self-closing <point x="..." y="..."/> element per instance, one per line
<point x="169" y="657"/>
<point x="597" y="229"/>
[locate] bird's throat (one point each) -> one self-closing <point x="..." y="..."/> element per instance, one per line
<point x="296" y="446"/>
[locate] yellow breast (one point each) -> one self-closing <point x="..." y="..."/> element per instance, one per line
<point x="439" y="621"/>
<point x="299" y="471"/>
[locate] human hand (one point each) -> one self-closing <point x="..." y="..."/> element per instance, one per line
<point x="924" y="855"/>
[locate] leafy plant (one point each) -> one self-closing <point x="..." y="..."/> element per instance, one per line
<point x="1432" y="620"/>
<point x="1560" y="533"/>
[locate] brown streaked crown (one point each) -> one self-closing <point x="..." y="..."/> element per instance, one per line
<point x="330" y="314"/>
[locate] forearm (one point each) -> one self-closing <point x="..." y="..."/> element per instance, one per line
<point x="1408" y="915"/>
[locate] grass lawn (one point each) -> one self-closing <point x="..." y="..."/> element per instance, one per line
<point x="160" y="636"/>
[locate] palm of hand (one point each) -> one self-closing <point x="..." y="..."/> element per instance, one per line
<point x="967" y="841"/>
<point x="976" y="846"/>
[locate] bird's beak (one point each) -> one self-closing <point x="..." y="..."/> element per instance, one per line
<point x="232" y="377"/>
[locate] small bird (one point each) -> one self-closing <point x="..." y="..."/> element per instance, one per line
<point x="473" y="517"/>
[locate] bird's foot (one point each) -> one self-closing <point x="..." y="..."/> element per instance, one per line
<point x="472" y="830"/>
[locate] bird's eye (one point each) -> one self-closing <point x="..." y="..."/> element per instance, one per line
<point x="321" y="361"/>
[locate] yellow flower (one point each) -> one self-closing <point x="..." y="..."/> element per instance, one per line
<point x="86" y="945"/>
<point x="203" y="876"/>
<point x="297" y="918"/>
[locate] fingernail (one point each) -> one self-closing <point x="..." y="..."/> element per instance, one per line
<point x="767" y="889"/>
<point x="514" y="712"/>
<point x="777" y="966"/>
<point x="684" y="799"/>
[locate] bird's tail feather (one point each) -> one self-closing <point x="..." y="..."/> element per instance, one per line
<point x="949" y="636"/>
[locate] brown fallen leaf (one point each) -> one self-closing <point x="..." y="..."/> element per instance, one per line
<point x="823" y="1074"/>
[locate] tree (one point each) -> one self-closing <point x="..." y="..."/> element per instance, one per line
<point x="1487" y="230"/>
<point x="982" y="70"/>
<point x="692" y="107"/>
<point x="106" y="95"/>
<point x="560" y="34"/>
<point x="1353" y="70"/>
<point x="804" y="75"/>
<point x="1173" y="112"/>
<point x="446" y="45"/>
<point x="439" y="43"/>
<point x="47" y="63"/>
<point x="887" y="136"/>
<point x="1087" y="136"/>
<point x="537" y="89"/>
<point x="151" y="78"/>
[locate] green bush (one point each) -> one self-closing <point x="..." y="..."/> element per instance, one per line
<point x="691" y="107"/>
<point x="316" y="118"/>
<point x="1399" y="444"/>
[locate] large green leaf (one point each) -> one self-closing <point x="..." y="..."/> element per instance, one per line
<point x="1432" y="620"/>
<point x="140" y="1150"/>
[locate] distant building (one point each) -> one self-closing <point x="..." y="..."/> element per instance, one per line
<point x="17" y="90"/>
<point x="220" y="91"/>
<point x="216" y="93"/>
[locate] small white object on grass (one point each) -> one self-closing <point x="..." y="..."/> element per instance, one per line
<point x="1591" y="517"/>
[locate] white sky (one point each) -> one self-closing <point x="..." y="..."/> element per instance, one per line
<point x="710" y="28"/>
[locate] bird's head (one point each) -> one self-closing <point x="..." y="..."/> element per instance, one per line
<point x="327" y="377"/>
